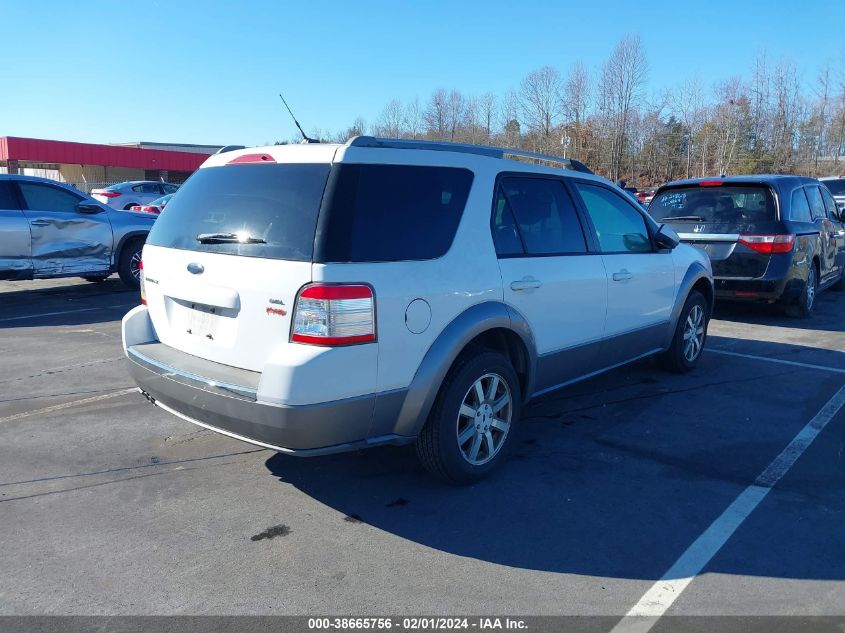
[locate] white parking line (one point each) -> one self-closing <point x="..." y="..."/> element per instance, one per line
<point x="67" y="405"/>
<point x="47" y="314"/>
<point x="657" y="600"/>
<point x="781" y="361"/>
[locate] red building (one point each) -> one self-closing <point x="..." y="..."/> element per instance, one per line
<point x="87" y="165"/>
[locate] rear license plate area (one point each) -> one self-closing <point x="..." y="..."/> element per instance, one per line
<point x="202" y="321"/>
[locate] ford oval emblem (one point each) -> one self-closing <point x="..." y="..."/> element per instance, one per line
<point x="195" y="268"/>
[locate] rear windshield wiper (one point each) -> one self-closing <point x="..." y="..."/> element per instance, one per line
<point x="228" y="238"/>
<point x="694" y="218"/>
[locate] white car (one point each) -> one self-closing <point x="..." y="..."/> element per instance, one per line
<point x="320" y="298"/>
<point x="125" y="195"/>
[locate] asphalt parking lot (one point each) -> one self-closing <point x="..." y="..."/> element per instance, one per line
<point x="111" y="506"/>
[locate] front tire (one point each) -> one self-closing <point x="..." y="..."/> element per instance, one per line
<point x="803" y="309"/>
<point x="471" y="423"/>
<point x="690" y="336"/>
<point x="129" y="264"/>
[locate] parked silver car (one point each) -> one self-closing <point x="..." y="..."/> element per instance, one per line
<point x="48" y="229"/>
<point x="836" y="186"/>
<point x="125" y="195"/>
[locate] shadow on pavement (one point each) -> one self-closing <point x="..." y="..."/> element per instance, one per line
<point x="614" y="477"/>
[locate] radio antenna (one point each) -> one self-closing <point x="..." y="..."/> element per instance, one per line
<point x="305" y="137"/>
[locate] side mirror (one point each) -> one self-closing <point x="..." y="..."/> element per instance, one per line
<point x="666" y="237"/>
<point x="88" y="207"/>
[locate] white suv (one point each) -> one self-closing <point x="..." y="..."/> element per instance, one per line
<point x="320" y="298"/>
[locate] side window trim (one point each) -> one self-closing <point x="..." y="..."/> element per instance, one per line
<point x="586" y="229"/>
<point x="647" y="220"/>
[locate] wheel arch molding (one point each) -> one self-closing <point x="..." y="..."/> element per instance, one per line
<point x="481" y="323"/>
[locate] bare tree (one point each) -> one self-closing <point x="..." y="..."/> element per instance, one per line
<point x="414" y="118"/>
<point x="540" y="100"/>
<point x="391" y="120"/>
<point x="624" y="78"/>
<point x="575" y="100"/>
<point x="686" y="104"/>
<point x="487" y="114"/>
<point x="437" y="116"/>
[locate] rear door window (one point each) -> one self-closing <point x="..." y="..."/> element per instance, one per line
<point x="386" y="213"/>
<point x="620" y="228"/>
<point x="8" y="197"/>
<point x="538" y="215"/>
<point x="730" y="204"/>
<point x="800" y="208"/>
<point x="814" y="195"/>
<point x="277" y="204"/>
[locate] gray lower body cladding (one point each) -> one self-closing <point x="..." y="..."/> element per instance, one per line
<point x="304" y="430"/>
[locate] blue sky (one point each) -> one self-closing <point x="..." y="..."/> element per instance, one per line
<point x="210" y="72"/>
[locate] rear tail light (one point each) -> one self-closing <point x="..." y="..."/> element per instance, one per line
<point x="136" y="207"/>
<point x="143" y="290"/>
<point x="109" y="194"/>
<point x="768" y="244"/>
<point x="341" y="314"/>
<point x="710" y="183"/>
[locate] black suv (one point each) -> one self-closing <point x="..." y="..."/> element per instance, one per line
<point x="769" y="238"/>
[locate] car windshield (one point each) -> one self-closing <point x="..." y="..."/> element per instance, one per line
<point x="734" y="203"/>
<point x="837" y="186"/>
<point x="160" y="202"/>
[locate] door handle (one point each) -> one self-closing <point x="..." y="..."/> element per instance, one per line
<point x="622" y="275"/>
<point x="40" y="223"/>
<point x="526" y="283"/>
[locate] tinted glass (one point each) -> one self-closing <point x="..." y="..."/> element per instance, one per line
<point x="8" y="199"/>
<point x="170" y="188"/>
<point x="830" y="203"/>
<point x="275" y="203"/>
<point x="814" y="195"/>
<point x="800" y="209"/>
<point x="544" y="214"/>
<point x="382" y="213"/>
<point x="147" y="187"/>
<point x="729" y="204"/>
<point x="619" y="226"/>
<point x="836" y="186"/>
<point x="46" y="198"/>
<point x="505" y="234"/>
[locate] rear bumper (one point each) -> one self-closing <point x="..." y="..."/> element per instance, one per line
<point x="782" y="281"/>
<point x="226" y="400"/>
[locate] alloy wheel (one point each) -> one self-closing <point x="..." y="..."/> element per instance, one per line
<point x="484" y="419"/>
<point x="694" y="333"/>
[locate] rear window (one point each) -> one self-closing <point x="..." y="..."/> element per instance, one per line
<point x="837" y="187"/>
<point x="278" y="204"/>
<point x="714" y="204"/>
<point x="386" y="213"/>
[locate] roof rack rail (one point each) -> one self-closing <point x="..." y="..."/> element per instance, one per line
<point x="480" y="150"/>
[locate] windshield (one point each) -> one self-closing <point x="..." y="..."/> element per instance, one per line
<point x="836" y="187"/>
<point x="738" y="203"/>
<point x="275" y="205"/>
<point x="160" y="202"/>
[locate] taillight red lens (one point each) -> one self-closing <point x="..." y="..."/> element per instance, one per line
<point x="143" y="290"/>
<point x="710" y="183"/>
<point x="109" y="194"/>
<point x="337" y="314"/>
<point x="768" y="244"/>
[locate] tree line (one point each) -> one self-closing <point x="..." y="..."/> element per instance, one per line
<point x="770" y="120"/>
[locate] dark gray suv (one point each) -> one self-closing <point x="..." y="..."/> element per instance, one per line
<point x="48" y="229"/>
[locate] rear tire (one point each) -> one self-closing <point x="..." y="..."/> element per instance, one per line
<point x="689" y="338"/>
<point x="803" y="309"/>
<point x="467" y="433"/>
<point x="128" y="266"/>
